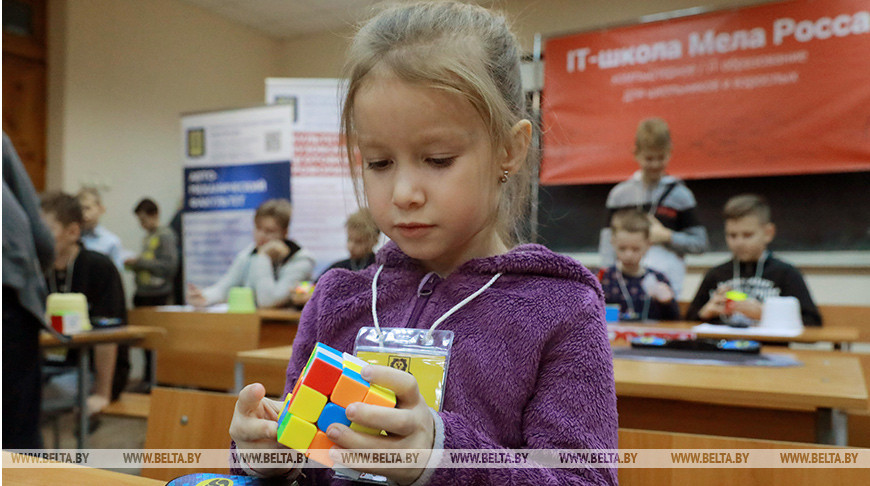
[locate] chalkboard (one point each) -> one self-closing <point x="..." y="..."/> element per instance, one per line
<point x="820" y="212"/>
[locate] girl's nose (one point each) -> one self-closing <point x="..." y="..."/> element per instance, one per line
<point x="408" y="190"/>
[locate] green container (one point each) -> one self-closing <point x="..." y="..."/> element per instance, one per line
<point x="240" y="300"/>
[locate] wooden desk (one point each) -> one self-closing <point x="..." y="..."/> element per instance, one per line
<point x="842" y="337"/>
<point x="114" y="335"/>
<point x="268" y="365"/>
<point x="201" y="345"/>
<point x="70" y="475"/>
<point x="822" y="388"/>
<point x="86" y="342"/>
<point x="277" y="327"/>
<point x="280" y="315"/>
<point x="708" y="399"/>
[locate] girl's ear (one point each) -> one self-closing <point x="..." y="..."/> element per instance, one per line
<point x="517" y="146"/>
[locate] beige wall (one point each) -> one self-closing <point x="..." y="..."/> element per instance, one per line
<point x="122" y="72"/>
<point x="322" y="55"/>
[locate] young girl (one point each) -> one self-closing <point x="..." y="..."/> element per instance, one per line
<point x="434" y="115"/>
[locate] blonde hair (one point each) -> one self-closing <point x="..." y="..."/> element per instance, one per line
<point x="279" y="209"/>
<point x="363" y="223"/>
<point x="462" y="49"/>
<point x="630" y="221"/>
<point x="90" y="191"/>
<point x="652" y="134"/>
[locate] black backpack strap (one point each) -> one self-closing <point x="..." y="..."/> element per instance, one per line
<point x="670" y="187"/>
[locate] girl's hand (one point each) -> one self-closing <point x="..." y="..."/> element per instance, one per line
<point x="255" y="422"/>
<point x="410" y="425"/>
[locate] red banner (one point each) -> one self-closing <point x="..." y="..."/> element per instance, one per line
<point x="776" y="89"/>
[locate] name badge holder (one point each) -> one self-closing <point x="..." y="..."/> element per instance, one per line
<point x="423" y="353"/>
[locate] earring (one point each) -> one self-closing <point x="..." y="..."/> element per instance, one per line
<point x="504" y="177"/>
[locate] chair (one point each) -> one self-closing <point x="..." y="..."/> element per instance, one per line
<point x="188" y="419"/>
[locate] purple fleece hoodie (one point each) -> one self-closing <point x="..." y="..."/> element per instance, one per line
<point x="530" y="367"/>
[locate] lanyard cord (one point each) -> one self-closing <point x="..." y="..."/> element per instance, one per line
<point x="653" y="204"/>
<point x="627" y="296"/>
<point x="437" y="321"/>
<point x="759" y="269"/>
<point x="67" y="284"/>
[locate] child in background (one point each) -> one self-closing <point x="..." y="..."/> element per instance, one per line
<point x="272" y="265"/>
<point x="155" y="267"/>
<point x="362" y="237"/>
<point x="753" y="270"/>
<point x="436" y="113"/>
<point x="641" y="293"/>
<point x="95" y="236"/>
<point x="674" y="228"/>
<point x="79" y="270"/>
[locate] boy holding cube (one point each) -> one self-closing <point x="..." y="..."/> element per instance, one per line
<point x="753" y="271"/>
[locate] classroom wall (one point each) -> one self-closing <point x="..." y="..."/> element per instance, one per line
<point x="547" y="17"/>
<point x="122" y="72"/>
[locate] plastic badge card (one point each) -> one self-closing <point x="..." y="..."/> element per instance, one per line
<point x="423" y="353"/>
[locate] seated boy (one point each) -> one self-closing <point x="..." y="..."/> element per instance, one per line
<point x="156" y="266"/>
<point x="78" y="270"/>
<point x="753" y="271"/>
<point x="272" y="265"/>
<point x="642" y="293"/>
<point x="362" y="237"/>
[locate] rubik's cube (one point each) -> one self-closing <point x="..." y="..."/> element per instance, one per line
<point x="329" y="383"/>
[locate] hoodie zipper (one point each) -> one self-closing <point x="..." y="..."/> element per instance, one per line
<point x="424" y="291"/>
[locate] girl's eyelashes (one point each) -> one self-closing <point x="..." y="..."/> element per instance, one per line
<point x="441" y="161"/>
<point x="377" y="164"/>
<point x="438" y="162"/>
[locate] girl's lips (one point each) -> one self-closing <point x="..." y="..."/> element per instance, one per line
<point x="413" y="230"/>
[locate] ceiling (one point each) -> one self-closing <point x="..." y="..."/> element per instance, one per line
<point x="284" y="19"/>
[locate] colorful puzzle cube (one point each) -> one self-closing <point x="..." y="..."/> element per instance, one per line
<point x="329" y="383"/>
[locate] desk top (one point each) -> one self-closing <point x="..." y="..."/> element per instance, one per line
<point x="117" y="335"/>
<point x="279" y="355"/>
<point x="810" y="334"/>
<point x="281" y="315"/>
<point x="284" y="315"/>
<point x="825" y="380"/>
<point x="69" y="475"/>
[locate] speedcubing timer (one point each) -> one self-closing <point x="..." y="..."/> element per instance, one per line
<point x="329" y="383"/>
